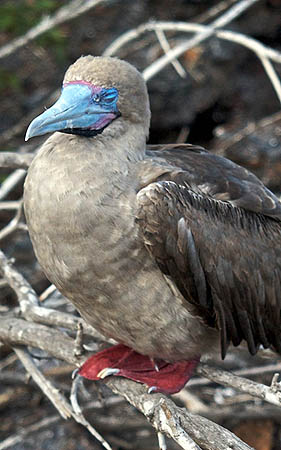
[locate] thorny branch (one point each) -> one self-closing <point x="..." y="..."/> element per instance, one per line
<point x="41" y="327"/>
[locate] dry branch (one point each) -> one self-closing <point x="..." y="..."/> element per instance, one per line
<point x="20" y="435"/>
<point x="163" y="414"/>
<point x="271" y="394"/>
<point x="15" y="332"/>
<point x="160" y="411"/>
<point x="250" y="128"/>
<point x="15" y="160"/>
<point x="11" y="182"/>
<point x="47" y="388"/>
<point x="70" y="11"/>
<point x="165" y="417"/>
<point x="224" y="19"/>
<point x="264" y="53"/>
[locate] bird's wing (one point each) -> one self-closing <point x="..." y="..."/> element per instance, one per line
<point x="217" y="177"/>
<point x="224" y="260"/>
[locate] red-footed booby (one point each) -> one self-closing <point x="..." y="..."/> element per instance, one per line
<point x="171" y="251"/>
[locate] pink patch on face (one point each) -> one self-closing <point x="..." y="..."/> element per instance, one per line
<point x="104" y="120"/>
<point x="95" y="89"/>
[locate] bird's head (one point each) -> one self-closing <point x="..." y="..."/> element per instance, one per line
<point x="96" y="91"/>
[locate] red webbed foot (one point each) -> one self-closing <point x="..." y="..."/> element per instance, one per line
<point x="122" y="361"/>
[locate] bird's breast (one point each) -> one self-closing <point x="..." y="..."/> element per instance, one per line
<point x="82" y="225"/>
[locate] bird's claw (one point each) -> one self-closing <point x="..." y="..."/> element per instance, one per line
<point x="74" y="373"/>
<point x="152" y="389"/>
<point x="107" y="371"/>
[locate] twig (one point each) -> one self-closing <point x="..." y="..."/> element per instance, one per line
<point x="25" y="293"/>
<point x="161" y="441"/>
<point x="49" y="291"/>
<point x="21" y="332"/>
<point x="16" y="160"/>
<point x="58" y="400"/>
<point x="49" y="390"/>
<point x="13" y="225"/>
<point x="67" y="12"/>
<point x="164" y="415"/>
<point x="49" y="316"/>
<point x="249" y="371"/>
<point x="10" y="205"/>
<point x="266" y="393"/>
<point x="18" y="437"/>
<point x="158" y="65"/>
<point x="78" y="413"/>
<point x="159" y="410"/>
<point x="272" y="75"/>
<point x="250" y="128"/>
<point x="190" y="27"/>
<point x="166" y="47"/>
<point x="7" y="361"/>
<point x="78" y="345"/>
<point x="214" y="11"/>
<point x="263" y="53"/>
<point x="11" y="182"/>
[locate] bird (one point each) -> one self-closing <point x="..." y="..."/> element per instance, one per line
<point x="172" y="251"/>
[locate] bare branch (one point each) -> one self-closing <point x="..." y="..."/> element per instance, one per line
<point x="215" y="10"/>
<point x="159" y="410"/>
<point x="166" y="47"/>
<point x="247" y="131"/>
<point x="13" y="224"/>
<point x="161" y="441"/>
<point x="19" y="436"/>
<point x="163" y="414"/>
<point x="268" y="393"/>
<point x="263" y="53"/>
<point x="58" y="400"/>
<point x="26" y="295"/>
<point x="249" y="371"/>
<point x="16" y="160"/>
<point x="20" y="332"/>
<point x="272" y="75"/>
<point x="67" y="12"/>
<point x="10" y="205"/>
<point x="49" y="390"/>
<point x="224" y="19"/>
<point x="49" y="316"/>
<point x="49" y="291"/>
<point x="189" y="27"/>
<point x="79" y="417"/>
<point x="11" y="182"/>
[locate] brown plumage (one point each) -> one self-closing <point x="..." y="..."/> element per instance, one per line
<point x="165" y="249"/>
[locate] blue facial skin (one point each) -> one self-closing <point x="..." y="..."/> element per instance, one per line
<point x="81" y="109"/>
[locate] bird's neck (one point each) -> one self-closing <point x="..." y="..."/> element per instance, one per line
<point x="122" y="143"/>
<point x="106" y="163"/>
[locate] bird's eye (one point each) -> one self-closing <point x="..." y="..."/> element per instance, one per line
<point x="109" y="95"/>
<point x="96" y="98"/>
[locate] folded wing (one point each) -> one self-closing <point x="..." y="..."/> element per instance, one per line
<point x="224" y="258"/>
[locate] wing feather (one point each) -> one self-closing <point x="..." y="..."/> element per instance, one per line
<point x="214" y="176"/>
<point x="225" y="261"/>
